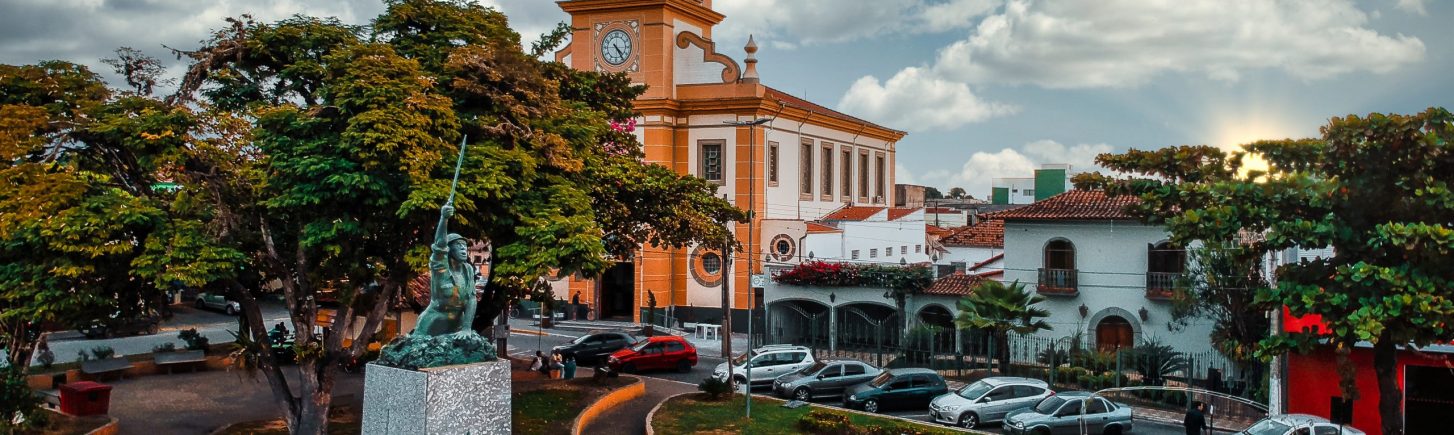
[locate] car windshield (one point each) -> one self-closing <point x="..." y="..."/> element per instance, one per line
<point x="1049" y="405"/>
<point x="578" y="340"/>
<point x="742" y="359"/>
<point x="640" y="345"/>
<point x="881" y="380"/>
<point x="812" y="368"/>
<point x="1267" y="427"/>
<point x="973" y="391"/>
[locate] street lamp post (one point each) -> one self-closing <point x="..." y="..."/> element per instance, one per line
<point x="751" y="253"/>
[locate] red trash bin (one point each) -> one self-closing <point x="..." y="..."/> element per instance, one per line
<point x="85" y="398"/>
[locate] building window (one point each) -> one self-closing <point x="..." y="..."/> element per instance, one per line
<point x="1029" y="192"/>
<point x="712" y="263"/>
<point x="881" y="177"/>
<point x="855" y="254"/>
<point x="847" y="171"/>
<point x="888" y="250"/>
<point x="772" y="163"/>
<point x="904" y="250"/>
<point x="1058" y="274"/>
<point x="863" y="175"/>
<point x="712" y="160"/>
<point x="828" y="172"/>
<point x="806" y="166"/>
<point x="918" y="249"/>
<point x="873" y="253"/>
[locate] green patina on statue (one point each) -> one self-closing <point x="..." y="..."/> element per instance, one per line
<point x="443" y="335"/>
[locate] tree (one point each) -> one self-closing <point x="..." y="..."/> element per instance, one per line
<point x="1374" y="188"/>
<point x="82" y="224"/>
<point x="1223" y="280"/>
<point x="957" y="193"/>
<point x="933" y="193"/>
<point x="1000" y="309"/>
<point x="347" y="151"/>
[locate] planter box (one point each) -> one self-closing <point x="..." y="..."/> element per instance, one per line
<point x="470" y="398"/>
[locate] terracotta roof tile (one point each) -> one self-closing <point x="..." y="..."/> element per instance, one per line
<point x="815" y="228"/>
<point x="954" y="285"/>
<point x="942" y="210"/>
<point x="896" y="213"/>
<point x="817" y="109"/>
<point x="985" y="234"/>
<point x="1074" y="205"/>
<point x="852" y="213"/>
<point x="937" y="231"/>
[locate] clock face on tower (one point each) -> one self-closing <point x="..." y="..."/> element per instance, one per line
<point x="616" y="47"/>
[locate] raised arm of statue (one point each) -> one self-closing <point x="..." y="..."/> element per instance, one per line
<point x="441" y="232"/>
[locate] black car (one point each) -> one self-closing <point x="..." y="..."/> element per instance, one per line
<point x="897" y="388"/>
<point x="593" y="349"/>
<point x="117" y="325"/>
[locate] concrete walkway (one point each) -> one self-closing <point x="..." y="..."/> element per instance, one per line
<point x="197" y="403"/>
<point x="630" y="418"/>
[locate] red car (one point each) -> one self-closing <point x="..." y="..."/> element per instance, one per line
<point x="655" y="353"/>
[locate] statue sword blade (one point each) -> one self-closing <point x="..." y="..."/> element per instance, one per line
<point x="457" y="164"/>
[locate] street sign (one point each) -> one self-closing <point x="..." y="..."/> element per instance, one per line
<point x="759" y="280"/>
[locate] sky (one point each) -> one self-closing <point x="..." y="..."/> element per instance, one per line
<point x="985" y="88"/>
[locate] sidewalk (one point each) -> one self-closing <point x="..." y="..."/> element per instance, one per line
<point x="630" y="417"/>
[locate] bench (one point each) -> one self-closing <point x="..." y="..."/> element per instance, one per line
<point x="189" y="358"/>
<point x="101" y="367"/>
<point x="51" y="398"/>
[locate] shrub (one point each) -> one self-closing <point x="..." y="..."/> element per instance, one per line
<point x="1062" y="356"/>
<point x="824" y="422"/>
<point x="17" y="399"/>
<point x="194" y="340"/>
<point x="102" y="352"/>
<point x="716" y="389"/>
<point x="164" y="347"/>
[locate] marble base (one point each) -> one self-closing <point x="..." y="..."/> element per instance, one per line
<point x="472" y="399"/>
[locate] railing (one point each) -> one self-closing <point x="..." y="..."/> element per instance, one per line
<point x="1161" y="285"/>
<point x="1058" y="282"/>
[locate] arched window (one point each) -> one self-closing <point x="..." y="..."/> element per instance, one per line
<point x="1165" y="264"/>
<point x="1058" y="276"/>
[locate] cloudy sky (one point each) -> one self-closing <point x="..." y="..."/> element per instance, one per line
<point x="985" y="88"/>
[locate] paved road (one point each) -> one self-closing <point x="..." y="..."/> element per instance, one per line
<point x="524" y="345"/>
<point x="214" y="325"/>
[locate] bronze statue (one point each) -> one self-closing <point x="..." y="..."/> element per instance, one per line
<point x="451" y="282"/>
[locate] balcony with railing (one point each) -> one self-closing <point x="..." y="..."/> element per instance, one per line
<point x="1161" y="285"/>
<point x="1058" y="282"/>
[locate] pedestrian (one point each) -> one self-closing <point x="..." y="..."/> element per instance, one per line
<point x="556" y="363"/>
<point x="537" y="364"/>
<point x="1196" y="422"/>
<point x="569" y="372"/>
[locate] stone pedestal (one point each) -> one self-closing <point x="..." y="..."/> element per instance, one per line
<point x="469" y="399"/>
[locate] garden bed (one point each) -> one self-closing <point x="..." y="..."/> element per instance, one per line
<point x="693" y="413"/>
<point x="550" y="406"/>
<point x="62" y="424"/>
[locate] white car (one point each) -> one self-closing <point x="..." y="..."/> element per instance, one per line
<point x="767" y="362"/>
<point x="987" y="400"/>
<point x="1297" y="424"/>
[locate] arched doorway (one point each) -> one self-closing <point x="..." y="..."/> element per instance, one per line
<point x="800" y="322"/>
<point x="941" y="322"/>
<point x="1114" y="333"/>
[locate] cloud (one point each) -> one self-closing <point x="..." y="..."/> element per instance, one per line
<point x="790" y="24"/>
<point x="977" y="174"/>
<point x="1120" y="43"/>
<point x="1412" y="6"/>
<point x="903" y="176"/>
<point x="916" y="99"/>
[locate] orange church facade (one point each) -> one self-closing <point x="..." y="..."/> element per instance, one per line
<point x="802" y="163"/>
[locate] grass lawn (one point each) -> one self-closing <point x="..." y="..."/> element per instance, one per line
<point x="550" y="406"/>
<point x="690" y="414"/>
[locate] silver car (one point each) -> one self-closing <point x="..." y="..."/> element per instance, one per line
<point x="987" y="400"/>
<point x="1297" y="424"/>
<point x="1073" y="412"/>
<point x="823" y="379"/>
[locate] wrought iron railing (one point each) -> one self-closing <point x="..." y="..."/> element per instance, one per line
<point x="1058" y="282"/>
<point x="1161" y="285"/>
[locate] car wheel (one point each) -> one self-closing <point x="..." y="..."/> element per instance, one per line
<point x="628" y="368"/>
<point x="231" y="311"/>
<point x="871" y="406"/>
<point x="1113" y="430"/>
<point x="153" y="329"/>
<point x="802" y="394"/>
<point x="741" y="380"/>
<point x="969" y="420"/>
<point x="200" y="304"/>
<point x="684" y="367"/>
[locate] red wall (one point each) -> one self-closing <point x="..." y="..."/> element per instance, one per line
<point x="1312" y="380"/>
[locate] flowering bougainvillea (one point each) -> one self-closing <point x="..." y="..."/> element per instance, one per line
<point x="911" y="278"/>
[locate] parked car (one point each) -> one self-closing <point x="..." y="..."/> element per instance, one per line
<point x="1297" y="424"/>
<point x="897" y="388"/>
<point x="988" y="400"/>
<point x="219" y="302"/>
<point x="116" y="325"/>
<point x="591" y="349"/>
<point x="655" y="353"/>
<point x="768" y="362"/>
<point x="1065" y="413"/>
<point x="823" y="379"/>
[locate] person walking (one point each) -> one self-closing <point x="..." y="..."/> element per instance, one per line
<point x="1196" y="421"/>
<point x="569" y="372"/>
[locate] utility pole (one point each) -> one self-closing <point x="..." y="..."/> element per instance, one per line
<point x="751" y="252"/>
<point x="1274" y="374"/>
<point x="727" y="302"/>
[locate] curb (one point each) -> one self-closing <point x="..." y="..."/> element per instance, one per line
<point x="608" y="402"/>
<point x="652" y="415"/>
<point x="112" y="427"/>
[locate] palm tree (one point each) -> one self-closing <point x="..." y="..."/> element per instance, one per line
<point x="998" y="309"/>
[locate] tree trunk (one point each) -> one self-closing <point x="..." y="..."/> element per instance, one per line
<point x="1002" y="351"/>
<point x="317" y="388"/>
<point x="1390" y="397"/>
<point x="267" y="364"/>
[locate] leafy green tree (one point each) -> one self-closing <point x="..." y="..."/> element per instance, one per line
<point x="957" y="192"/>
<point x="1374" y="188"/>
<point x="1221" y="284"/>
<point x="999" y="309"/>
<point x="933" y="193"/>
<point x="335" y="150"/>
<point x="1155" y="361"/>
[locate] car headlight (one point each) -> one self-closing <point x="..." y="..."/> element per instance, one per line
<point x="950" y="408"/>
<point x="613" y="359"/>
